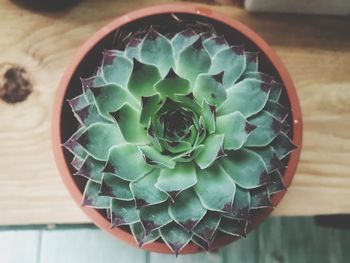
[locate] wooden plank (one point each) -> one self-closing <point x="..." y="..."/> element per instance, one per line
<point x="300" y="240"/>
<point x="15" y="246"/>
<point x="86" y="245"/>
<point x="315" y="50"/>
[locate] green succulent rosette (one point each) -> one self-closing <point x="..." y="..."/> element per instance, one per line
<point x="180" y="138"/>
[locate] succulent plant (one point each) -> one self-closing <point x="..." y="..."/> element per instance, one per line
<point x="180" y="138"/>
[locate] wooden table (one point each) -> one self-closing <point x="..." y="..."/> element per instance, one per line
<point x="315" y="49"/>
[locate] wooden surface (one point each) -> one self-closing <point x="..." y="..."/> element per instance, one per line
<point x="277" y="240"/>
<point x="315" y="49"/>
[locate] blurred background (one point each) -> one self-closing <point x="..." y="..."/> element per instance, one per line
<point x="40" y="223"/>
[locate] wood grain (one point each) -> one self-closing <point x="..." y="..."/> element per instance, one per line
<point x="315" y="49"/>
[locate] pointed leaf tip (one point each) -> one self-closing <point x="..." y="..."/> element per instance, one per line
<point x="109" y="168"/>
<point x="219" y="77"/>
<point x="198" y="44"/>
<point x="137" y="64"/>
<point x="173" y="195"/>
<point x="249" y="127"/>
<point x="175" y="237"/>
<point x="171" y="74"/>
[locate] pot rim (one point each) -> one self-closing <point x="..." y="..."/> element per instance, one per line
<point x="188" y="8"/>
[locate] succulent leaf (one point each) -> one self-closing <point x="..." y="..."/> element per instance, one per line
<point x="77" y="162"/>
<point x="267" y="129"/>
<point x="174" y="181"/>
<point x="245" y="167"/>
<point x="175" y="237"/>
<point x="232" y="62"/>
<point x="176" y="146"/>
<point x="258" y="76"/>
<point x="153" y="157"/>
<point x="209" y="117"/>
<point x="144" y="190"/>
<point x="235" y="128"/>
<point x="187" y="211"/>
<point x="123" y="213"/>
<point x="116" y="68"/>
<point x="132" y="49"/>
<point x="91" y="139"/>
<point x="270" y="158"/>
<point x="92" y="198"/>
<point x="172" y="84"/>
<point x="241" y="205"/>
<point x="251" y="61"/>
<point x="142" y="79"/>
<point x="215" y="44"/>
<point x="130" y="168"/>
<point x="219" y="196"/>
<point x="91" y="82"/>
<point x="209" y="87"/>
<point x="140" y="234"/>
<point x="113" y="186"/>
<point x="189" y="155"/>
<point x="128" y="120"/>
<point x="111" y="97"/>
<point x="149" y="105"/>
<point x="157" y="50"/>
<point x="91" y="169"/>
<point x="192" y="61"/>
<point x="251" y="90"/>
<point x="207" y="227"/>
<point x="187" y="102"/>
<point x="90" y="115"/>
<point x="182" y="40"/>
<point x="277" y="110"/>
<point x="73" y="146"/>
<point x="213" y="149"/>
<point x="154" y="216"/>
<point x="77" y="103"/>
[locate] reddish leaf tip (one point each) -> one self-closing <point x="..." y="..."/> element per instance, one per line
<point x="198" y="44"/>
<point x="219" y="77"/>
<point x="137" y="65"/>
<point x="249" y="127"/>
<point x="171" y="74"/>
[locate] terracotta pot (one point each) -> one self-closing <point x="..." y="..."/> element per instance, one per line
<point x="84" y="64"/>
